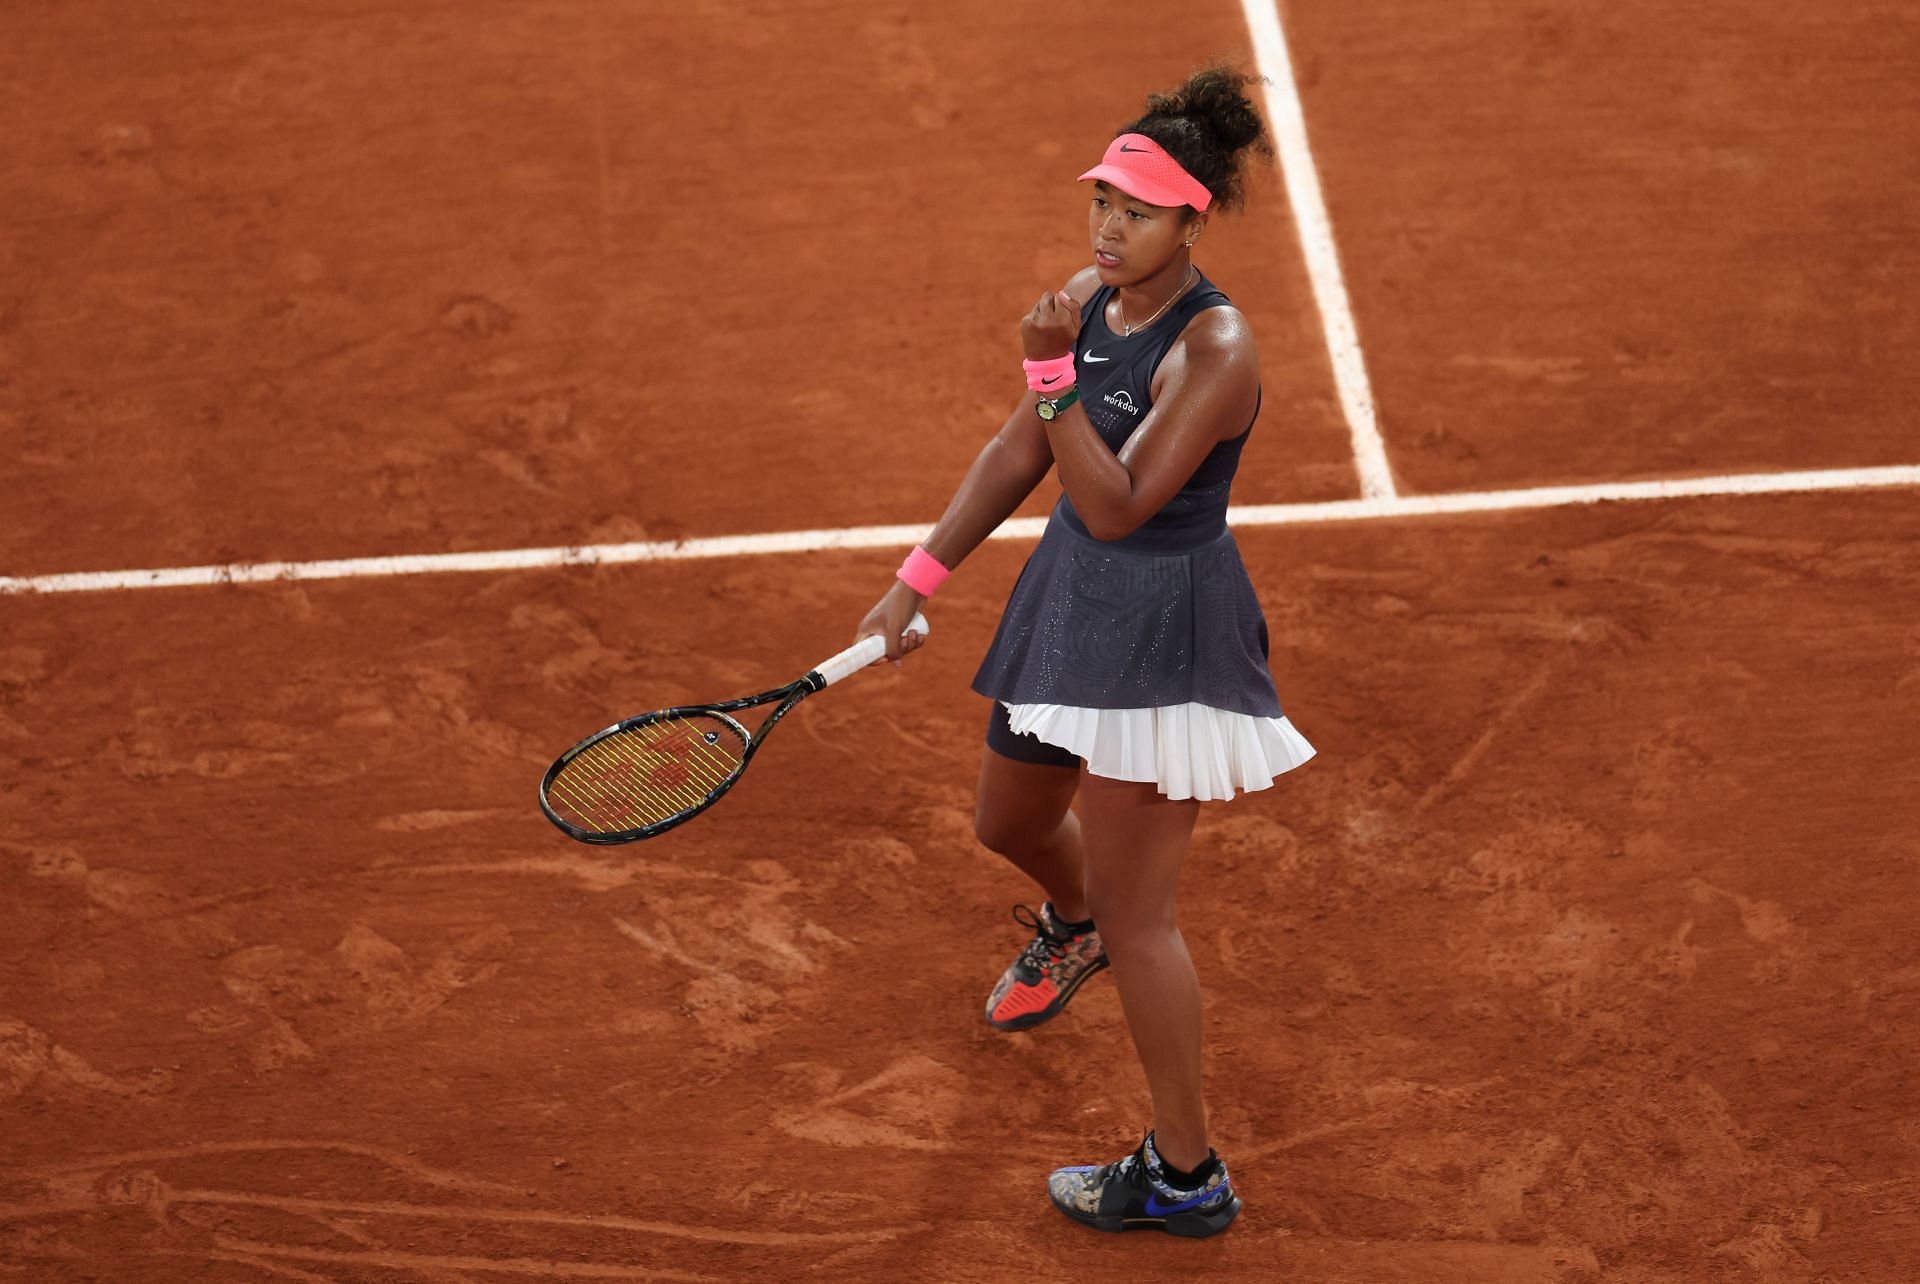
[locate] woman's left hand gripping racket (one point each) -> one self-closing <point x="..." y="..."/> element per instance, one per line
<point x="641" y="777"/>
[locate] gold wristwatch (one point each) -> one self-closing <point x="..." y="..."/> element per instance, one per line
<point x="1051" y="409"/>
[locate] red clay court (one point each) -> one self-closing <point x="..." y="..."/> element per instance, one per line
<point x="1582" y="508"/>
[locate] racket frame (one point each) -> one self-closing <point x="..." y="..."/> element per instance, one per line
<point x="829" y="671"/>
<point x="789" y="695"/>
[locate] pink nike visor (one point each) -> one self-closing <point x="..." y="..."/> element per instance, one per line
<point x="1143" y="170"/>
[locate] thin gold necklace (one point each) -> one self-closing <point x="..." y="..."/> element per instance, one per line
<point x="1126" y="330"/>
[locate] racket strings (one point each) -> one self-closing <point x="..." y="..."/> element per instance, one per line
<point x="648" y="774"/>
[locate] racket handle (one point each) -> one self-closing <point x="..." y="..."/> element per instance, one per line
<point x="862" y="653"/>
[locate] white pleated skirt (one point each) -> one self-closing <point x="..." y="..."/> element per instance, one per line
<point x="1187" y="750"/>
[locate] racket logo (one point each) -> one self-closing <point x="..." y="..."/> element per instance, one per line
<point x="615" y="776"/>
<point x="669" y="775"/>
<point x="679" y="740"/>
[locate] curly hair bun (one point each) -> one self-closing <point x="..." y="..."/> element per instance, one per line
<point x="1208" y="124"/>
<point x="1216" y="98"/>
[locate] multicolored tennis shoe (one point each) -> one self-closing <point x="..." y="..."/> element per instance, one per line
<point x="1039" y="983"/>
<point x="1135" y="1194"/>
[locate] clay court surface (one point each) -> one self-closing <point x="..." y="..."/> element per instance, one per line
<point x="1585" y="950"/>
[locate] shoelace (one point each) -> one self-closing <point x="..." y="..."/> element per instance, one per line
<point x="1130" y="1169"/>
<point x="1044" y="946"/>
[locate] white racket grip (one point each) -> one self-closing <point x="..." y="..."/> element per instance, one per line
<point x="862" y="653"/>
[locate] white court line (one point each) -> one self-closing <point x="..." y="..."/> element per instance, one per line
<point x="1289" y="124"/>
<point x="1338" y="510"/>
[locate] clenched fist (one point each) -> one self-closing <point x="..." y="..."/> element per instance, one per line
<point x="1052" y="328"/>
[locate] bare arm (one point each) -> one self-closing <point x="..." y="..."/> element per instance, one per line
<point x="1001" y="477"/>
<point x="1204" y="393"/>
<point x="1005" y="471"/>
<point x="1003" y="474"/>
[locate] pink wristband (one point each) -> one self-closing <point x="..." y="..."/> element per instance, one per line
<point x="921" y="573"/>
<point x="1055" y="374"/>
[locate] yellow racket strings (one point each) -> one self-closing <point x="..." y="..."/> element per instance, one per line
<point x="637" y="778"/>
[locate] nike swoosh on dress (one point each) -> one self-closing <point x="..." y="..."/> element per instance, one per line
<point x="1088" y="356"/>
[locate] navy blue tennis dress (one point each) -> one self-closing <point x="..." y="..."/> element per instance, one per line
<point x="1145" y="656"/>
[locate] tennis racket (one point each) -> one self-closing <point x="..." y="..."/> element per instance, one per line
<point x="644" y="776"/>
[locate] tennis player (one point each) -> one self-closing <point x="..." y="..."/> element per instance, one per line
<point x="1129" y="670"/>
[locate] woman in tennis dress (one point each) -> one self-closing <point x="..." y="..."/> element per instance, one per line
<point x="1129" y="670"/>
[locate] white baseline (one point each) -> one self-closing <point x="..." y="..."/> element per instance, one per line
<point x="1289" y="122"/>
<point x="1339" y="510"/>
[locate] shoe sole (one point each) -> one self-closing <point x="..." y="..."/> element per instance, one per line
<point x="1027" y="1020"/>
<point x="1185" y="1225"/>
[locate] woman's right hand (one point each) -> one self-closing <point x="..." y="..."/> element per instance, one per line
<point x="888" y="619"/>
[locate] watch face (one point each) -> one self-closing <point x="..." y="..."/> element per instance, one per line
<point x="1047" y="409"/>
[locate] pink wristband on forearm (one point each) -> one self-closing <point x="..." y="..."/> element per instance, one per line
<point x="1055" y="374"/>
<point x="921" y="573"/>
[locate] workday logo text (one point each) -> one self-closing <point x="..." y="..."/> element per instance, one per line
<point x="1121" y="399"/>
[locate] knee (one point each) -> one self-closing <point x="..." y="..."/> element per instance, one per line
<point x="998" y="832"/>
<point x="1128" y="921"/>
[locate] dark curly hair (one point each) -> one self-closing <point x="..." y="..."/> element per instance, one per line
<point x="1208" y="125"/>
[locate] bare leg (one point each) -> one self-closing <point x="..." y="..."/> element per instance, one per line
<point x="1136" y="840"/>
<point x="1023" y="811"/>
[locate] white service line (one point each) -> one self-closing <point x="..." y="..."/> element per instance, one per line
<point x="1289" y="123"/>
<point x="1495" y="501"/>
<point x="1338" y="510"/>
